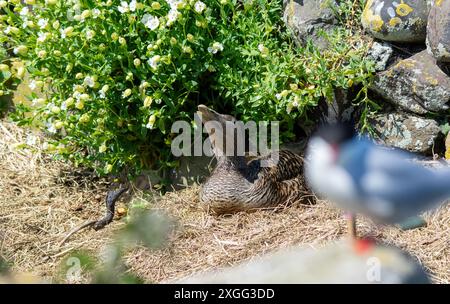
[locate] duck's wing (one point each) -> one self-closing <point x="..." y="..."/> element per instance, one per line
<point x="282" y="165"/>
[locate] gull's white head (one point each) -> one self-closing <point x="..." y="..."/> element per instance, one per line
<point x="322" y="171"/>
<point x="324" y="147"/>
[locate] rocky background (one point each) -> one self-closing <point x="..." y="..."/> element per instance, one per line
<point x="411" y="49"/>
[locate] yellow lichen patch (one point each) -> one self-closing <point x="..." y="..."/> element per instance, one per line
<point x="438" y="2"/>
<point x="403" y="9"/>
<point x="376" y="23"/>
<point x="291" y="12"/>
<point x="447" y="154"/>
<point x="431" y="80"/>
<point x="407" y="63"/>
<point x="367" y="13"/>
<point x="395" y="21"/>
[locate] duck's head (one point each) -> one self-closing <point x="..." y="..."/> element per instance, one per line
<point x="221" y="130"/>
<point x="208" y="114"/>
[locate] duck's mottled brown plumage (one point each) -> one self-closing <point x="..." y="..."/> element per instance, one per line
<point x="237" y="185"/>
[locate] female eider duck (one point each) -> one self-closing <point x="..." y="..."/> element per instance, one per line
<point x="237" y="184"/>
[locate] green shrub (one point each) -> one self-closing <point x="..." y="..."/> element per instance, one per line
<point x="117" y="74"/>
<point x="10" y="74"/>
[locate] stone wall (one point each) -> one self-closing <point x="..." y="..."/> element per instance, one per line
<point x="411" y="50"/>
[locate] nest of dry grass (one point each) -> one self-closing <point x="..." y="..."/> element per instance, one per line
<point x="42" y="200"/>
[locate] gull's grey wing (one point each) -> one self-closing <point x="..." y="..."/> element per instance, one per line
<point x="395" y="188"/>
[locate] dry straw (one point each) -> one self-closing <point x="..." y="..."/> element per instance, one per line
<point x="42" y="200"/>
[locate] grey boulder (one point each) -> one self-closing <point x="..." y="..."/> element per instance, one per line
<point x="380" y="53"/>
<point x="396" y="20"/>
<point x="308" y="18"/>
<point x="438" y="31"/>
<point x="416" y="84"/>
<point x="406" y="131"/>
<point x="336" y="263"/>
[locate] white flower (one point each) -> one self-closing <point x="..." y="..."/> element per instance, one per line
<point x="261" y="47"/>
<point x="96" y="13"/>
<point x="66" y="32"/>
<point x="7" y="30"/>
<point x="133" y="5"/>
<point x="32" y="85"/>
<point x="199" y="7"/>
<point x="76" y="95"/>
<point x="42" y="37"/>
<point x="216" y="47"/>
<point x="89" y="81"/>
<point x="24" y="11"/>
<point x="102" y="94"/>
<point x="42" y="23"/>
<point x="37" y="102"/>
<point x="264" y="51"/>
<point x="63" y="106"/>
<point x="150" y="21"/>
<point x="26" y="23"/>
<point x="123" y="8"/>
<point x="51" y="128"/>
<point x="90" y="34"/>
<point x="153" y="62"/>
<point x="174" y="3"/>
<point x="278" y="96"/>
<point x="172" y="16"/>
<point x="31" y="140"/>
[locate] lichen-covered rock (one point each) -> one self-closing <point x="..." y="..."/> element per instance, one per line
<point x="396" y="20"/>
<point x="438" y="30"/>
<point x="336" y="263"/>
<point x="405" y="131"/>
<point x="307" y="18"/>
<point x="415" y="84"/>
<point x="380" y="53"/>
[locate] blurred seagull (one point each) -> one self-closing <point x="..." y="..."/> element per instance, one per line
<point x="365" y="178"/>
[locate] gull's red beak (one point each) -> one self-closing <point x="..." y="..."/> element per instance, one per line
<point x="335" y="149"/>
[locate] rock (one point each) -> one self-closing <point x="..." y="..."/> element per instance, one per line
<point x="438" y="31"/>
<point x="380" y="53"/>
<point x="396" y="20"/>
<point x="406" y="131"/>
<point x="307" y="18"/>
<point x="416" y="84"/>
<point x="360" y="263"/>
